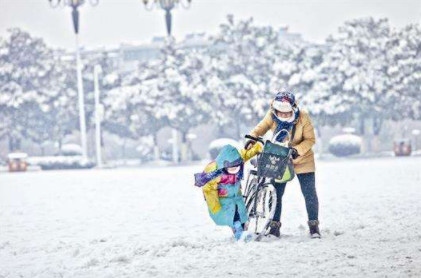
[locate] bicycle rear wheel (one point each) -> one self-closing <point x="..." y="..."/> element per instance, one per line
<point x="261" y="209"/>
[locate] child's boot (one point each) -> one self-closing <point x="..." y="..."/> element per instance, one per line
<point x="238" y="230"/>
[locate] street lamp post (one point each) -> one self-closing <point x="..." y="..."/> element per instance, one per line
<point x="99" y="115"/>
<point x="74" y="5"/>
<point x="167" y="6"/>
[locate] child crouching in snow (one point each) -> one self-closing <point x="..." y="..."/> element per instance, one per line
<point x="221" y="185"/>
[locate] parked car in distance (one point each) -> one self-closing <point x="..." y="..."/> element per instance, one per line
<point x="17" y="162"/>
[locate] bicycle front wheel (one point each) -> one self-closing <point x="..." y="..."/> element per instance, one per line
<point x="261" y="209"/>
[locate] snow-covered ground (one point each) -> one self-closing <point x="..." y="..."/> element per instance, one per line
<point x="148" y="222"/>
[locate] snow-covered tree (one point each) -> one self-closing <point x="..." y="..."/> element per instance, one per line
<point x="178" y="90"/>
<point x="26" y="69"/>
<point x="61" y="118"/>
<point x="300" y="75"/>
<point x="404" y="52"/>
<point x="356" y="68"/>
<point x="241" y="77"/>
<point x="324" y="98"/>
<point x="130" y="112"/>
<point x="109" y="79"/>
<point x="297" y="69"/>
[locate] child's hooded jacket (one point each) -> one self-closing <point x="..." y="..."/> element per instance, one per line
<point x="223" y="193"/>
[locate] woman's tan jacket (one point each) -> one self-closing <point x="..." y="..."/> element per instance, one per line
<point x="303" y="140"/>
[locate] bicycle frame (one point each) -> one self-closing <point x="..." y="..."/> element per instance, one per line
<point x="253" y="189"/>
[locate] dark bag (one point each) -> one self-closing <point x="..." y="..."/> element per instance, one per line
<point x="275" y="162"/>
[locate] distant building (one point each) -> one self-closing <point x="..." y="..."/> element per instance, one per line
<point x="132" y="54"/>
<point x="127" y="56"/>
<point x="284" y="35"/>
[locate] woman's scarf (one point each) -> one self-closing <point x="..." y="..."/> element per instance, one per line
<point x="280" y="125"/>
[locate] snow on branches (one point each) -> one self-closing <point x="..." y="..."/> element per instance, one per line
<point x="363" y="72"/>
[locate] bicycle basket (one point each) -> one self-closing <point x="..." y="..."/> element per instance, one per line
<point x="275" y="162"/>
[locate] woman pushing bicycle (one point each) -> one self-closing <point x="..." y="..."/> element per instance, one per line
<point x="284" y="114"/>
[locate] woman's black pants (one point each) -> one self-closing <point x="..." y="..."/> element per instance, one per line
<point x="308" y="188"/>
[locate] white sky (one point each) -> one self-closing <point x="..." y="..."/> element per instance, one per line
<point x="115" y="21"/>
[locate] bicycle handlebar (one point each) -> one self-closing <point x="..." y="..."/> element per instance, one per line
<point x="260" y="139"/>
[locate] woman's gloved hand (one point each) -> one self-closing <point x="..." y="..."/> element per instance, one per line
<point x="249" y="144"/>
<point x="294" y="153"/>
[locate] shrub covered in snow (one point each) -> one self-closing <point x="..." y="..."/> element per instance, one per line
<point x="345" y="145"/>
<point x="216" y="145"/>
<point x="71" y="150"/>
<point x="61" y="162"/>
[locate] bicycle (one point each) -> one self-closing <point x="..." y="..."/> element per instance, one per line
<point x="274" y="163"/>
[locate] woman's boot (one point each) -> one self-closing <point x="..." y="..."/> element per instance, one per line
<point x="274" y="228"/>
<point x="314" y="228"/>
